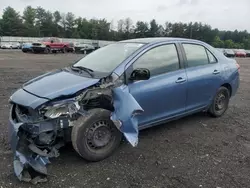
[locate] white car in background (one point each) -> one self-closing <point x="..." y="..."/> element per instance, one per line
<point x="6" y="46"/>
<point x="16" y="45"/>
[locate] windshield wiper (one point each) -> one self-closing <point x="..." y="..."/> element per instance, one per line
<point x="89" y="71"/>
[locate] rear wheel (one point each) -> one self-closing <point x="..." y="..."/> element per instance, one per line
<point x="64" y="50"/>
<point x="95" y="137"/>
<point x="220" y="102"/>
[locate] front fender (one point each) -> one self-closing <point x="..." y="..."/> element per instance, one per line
<point x="125" y="114"/>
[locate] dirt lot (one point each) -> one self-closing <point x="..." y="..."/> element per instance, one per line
<point x="196" y="151"/>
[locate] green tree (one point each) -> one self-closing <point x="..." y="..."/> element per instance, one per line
<point x="11" y="23"/>
<point x="141" y="29"/>
<point x="57" y="30"/>
<point x="70" y="23"/>
<point x="229" y="44"/>
<point x="44" y="22"/>
<point x="246" y="43"/>
<point x="218" y="43"/>
<point x="128" y="28"/>
<point x="154" y="27"/>
<point x="103" y="29"/>
<point x="29" y="16"/>
<point x="1" y="30"/>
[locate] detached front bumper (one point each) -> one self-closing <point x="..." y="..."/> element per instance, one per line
<point x="30" y="160"/>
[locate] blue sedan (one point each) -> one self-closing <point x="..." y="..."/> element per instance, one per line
<point x="27" y="47"/>
<point x="116" y="91"/>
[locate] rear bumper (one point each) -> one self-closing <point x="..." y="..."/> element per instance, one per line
<point x="235" y="84"/>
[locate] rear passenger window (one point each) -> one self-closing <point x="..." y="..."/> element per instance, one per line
<point x="211" y="57"/>
<point x="196" y="55"/>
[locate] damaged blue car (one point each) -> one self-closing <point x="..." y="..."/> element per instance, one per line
<point x="112" y="93"/>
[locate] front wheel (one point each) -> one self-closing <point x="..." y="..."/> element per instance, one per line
<point x="94" y="136"/>
<point x="220" y="102"/>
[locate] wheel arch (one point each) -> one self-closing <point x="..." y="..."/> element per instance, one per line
<point x="229" y="87"/>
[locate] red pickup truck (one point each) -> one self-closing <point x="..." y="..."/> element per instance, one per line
<point x="48" y="45"/>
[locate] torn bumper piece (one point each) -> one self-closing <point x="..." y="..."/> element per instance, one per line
<point x="124" y="116"/>
<point x="29" y="160"/>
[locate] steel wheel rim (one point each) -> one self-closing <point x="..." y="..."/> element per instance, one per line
<point x="221" y="101"/>
<point x="99" y="135"/>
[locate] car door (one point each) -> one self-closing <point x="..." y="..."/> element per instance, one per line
<point x="57" y="43"/>
<point x="54" y="44"/>
<point x="164" y="94"/>
<point x="203" y="74"/>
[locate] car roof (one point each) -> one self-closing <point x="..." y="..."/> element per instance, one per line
<point x="159" y="39"/>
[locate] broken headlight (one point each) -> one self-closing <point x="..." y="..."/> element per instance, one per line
<point x="59" y="109"/>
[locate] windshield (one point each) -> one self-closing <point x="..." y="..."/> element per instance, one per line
<point x="106" y="59"/>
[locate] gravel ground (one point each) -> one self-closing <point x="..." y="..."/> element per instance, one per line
<point x="197" y="151"/>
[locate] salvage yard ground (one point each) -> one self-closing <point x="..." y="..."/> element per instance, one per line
<point x="197" y="151"/>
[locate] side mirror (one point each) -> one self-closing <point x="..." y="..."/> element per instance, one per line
<point x="51" y="41"/>
<point x="140" y="74"/>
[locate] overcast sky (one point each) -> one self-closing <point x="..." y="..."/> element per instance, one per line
<point x="222" y="14"/>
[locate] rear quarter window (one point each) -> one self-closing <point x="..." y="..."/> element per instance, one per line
<point x="196" y="55"/>
<point x="211" y="57"/>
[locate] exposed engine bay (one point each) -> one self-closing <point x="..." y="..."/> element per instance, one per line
<point x="36" y="135"/>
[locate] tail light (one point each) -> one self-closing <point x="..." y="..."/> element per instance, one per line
<point x="238" y="66"/>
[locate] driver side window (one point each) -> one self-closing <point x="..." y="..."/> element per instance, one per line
<point x="159" y="60"/>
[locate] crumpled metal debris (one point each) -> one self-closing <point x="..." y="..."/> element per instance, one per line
<point x="124" y="116"/>
<point x="30" y="161"/>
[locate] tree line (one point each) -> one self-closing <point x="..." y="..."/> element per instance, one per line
<point x="38" y="22"/>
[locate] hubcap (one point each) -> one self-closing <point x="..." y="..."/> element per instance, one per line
<point x="220" y="102"/>
<point x="99" y="135"/>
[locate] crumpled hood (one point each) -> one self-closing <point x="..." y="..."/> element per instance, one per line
<point x="58" y="83"/>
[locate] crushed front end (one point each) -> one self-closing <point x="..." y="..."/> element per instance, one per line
<point x="39" y="127"/>
<point x="33" y="141"/>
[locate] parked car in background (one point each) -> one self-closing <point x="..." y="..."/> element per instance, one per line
<point x="40" y="47"/>
<point x="81" y="47"/>
<point x="16" y="45"/>
<point x="48" y="45"/>
<point x="78" y="46"/>
<point x="6" y="46"/>
<point x="240" y="53"/>
<point x="96" y="101"/>
<point x="88" y="48"/>
<point x="27" y="47"/>
<point x="229" y="53"/>
<point x="71" y="47"/>
<point x="248" y="53"/>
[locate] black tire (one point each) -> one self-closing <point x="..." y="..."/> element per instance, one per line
<point x="64" y="50"/>
<point x="84" y="143"/>
<point x="47" y="50"/>
<point x="220" y="102"/>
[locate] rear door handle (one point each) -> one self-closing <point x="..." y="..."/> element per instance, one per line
<point x="216" y="72"/>
<point x="180" y="80"/>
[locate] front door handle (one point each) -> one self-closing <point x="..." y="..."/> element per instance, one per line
<point x="180" y="80"/>
<point x="216" y="72"/>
